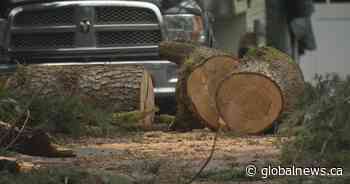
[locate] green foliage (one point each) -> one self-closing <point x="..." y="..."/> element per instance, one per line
<point x="67" y="115"/>
<point x="5" y="153"/>
<point x="57" y="115"/>
<point x="322" y="137"/>
<point x="166" y="119"/>
<point x="10" y="109"/>
<point x="131" y="120"/>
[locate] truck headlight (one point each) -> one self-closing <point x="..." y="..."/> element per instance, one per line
<point x="185" y="27"/>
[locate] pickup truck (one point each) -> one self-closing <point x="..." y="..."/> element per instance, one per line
<point x="99" y="31"/>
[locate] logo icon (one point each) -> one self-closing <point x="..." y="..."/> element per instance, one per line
<point x="85" y="26"/>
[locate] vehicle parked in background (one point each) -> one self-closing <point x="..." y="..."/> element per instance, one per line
<point x="99" y="31"/>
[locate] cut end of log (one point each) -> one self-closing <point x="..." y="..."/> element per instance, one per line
<point x="202" y="84"/>
<point x="283" y="70"/>
<point x="147" y="101"/>
<point x="249" y="102"/>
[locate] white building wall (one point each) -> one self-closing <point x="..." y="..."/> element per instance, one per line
<point x="331" y="23"/>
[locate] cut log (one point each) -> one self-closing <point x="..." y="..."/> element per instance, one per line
<point x="116" y="88"/>
<point x="201" y="70"/>
<point x="267" y="84"/>
<point x="30" y="142"/>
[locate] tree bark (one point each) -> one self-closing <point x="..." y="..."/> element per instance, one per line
<point x="201" y="70"/>
<point x="267" y="83"/>
<point x="116" y="88"/>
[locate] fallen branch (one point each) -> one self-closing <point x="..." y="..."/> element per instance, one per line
<point x="26" y="140"/>
<point x="221" y="125"/>
<point x="11" y="144"/>
<point x="32" y="142"/>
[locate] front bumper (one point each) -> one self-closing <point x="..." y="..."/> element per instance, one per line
<point x="163" y="73"/>
<point x="88" y="53"/>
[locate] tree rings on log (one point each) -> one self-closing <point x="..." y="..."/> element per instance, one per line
<point x="249" y="102"/>
<point x="202" y="84"/>
<point x="201" y="70"/>
<point x="267" y="84"/>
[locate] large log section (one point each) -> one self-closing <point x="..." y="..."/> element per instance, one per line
<point x="201" y="70"/>
<point x="267" y="84"/>
<point x="116" y="88"/>
<point x="218" y="90"/>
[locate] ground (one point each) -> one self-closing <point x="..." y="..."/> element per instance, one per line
<point x="168" y="157"/>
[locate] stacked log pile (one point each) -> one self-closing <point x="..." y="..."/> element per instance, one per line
<point x="218" y="91"/>
<point x="214" y="89"/>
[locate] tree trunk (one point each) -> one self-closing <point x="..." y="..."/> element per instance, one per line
<point x="267" y="84"/>
<point x="201" y="70"/>
<point x="116" y="88"/>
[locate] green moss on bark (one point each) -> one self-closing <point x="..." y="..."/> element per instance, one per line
<point x="269" y="54"/>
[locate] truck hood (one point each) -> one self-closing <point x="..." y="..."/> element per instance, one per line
<point x="167" y="6"/>
<point x="17" y="2"/>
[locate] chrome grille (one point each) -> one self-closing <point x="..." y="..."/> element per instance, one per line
<point x="128" y="38"/>
<point x="124" y="15"/>
<point x="82" y="26"/>
<point x="42" y="41"/>
<point x="50" y="17"/>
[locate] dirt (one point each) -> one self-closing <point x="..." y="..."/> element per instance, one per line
<point x="169" y="157"/>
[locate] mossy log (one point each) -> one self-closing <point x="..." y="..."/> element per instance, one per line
<point x="267" y="84"/>
<point x="30" y="142"/>
<point x="115" y="88"/>
<point x="131" y="120"/>
<point x="201" y="70"/>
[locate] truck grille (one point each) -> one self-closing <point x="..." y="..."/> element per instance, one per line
<point x="128" y="38"/>
<point x="53" y="26"/>
<point x="51" y="17"/>
<point x="43" y="41"/>
<point x="124" y="15"/>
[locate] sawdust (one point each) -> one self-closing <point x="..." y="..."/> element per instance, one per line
<point x="167" y="157"/>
